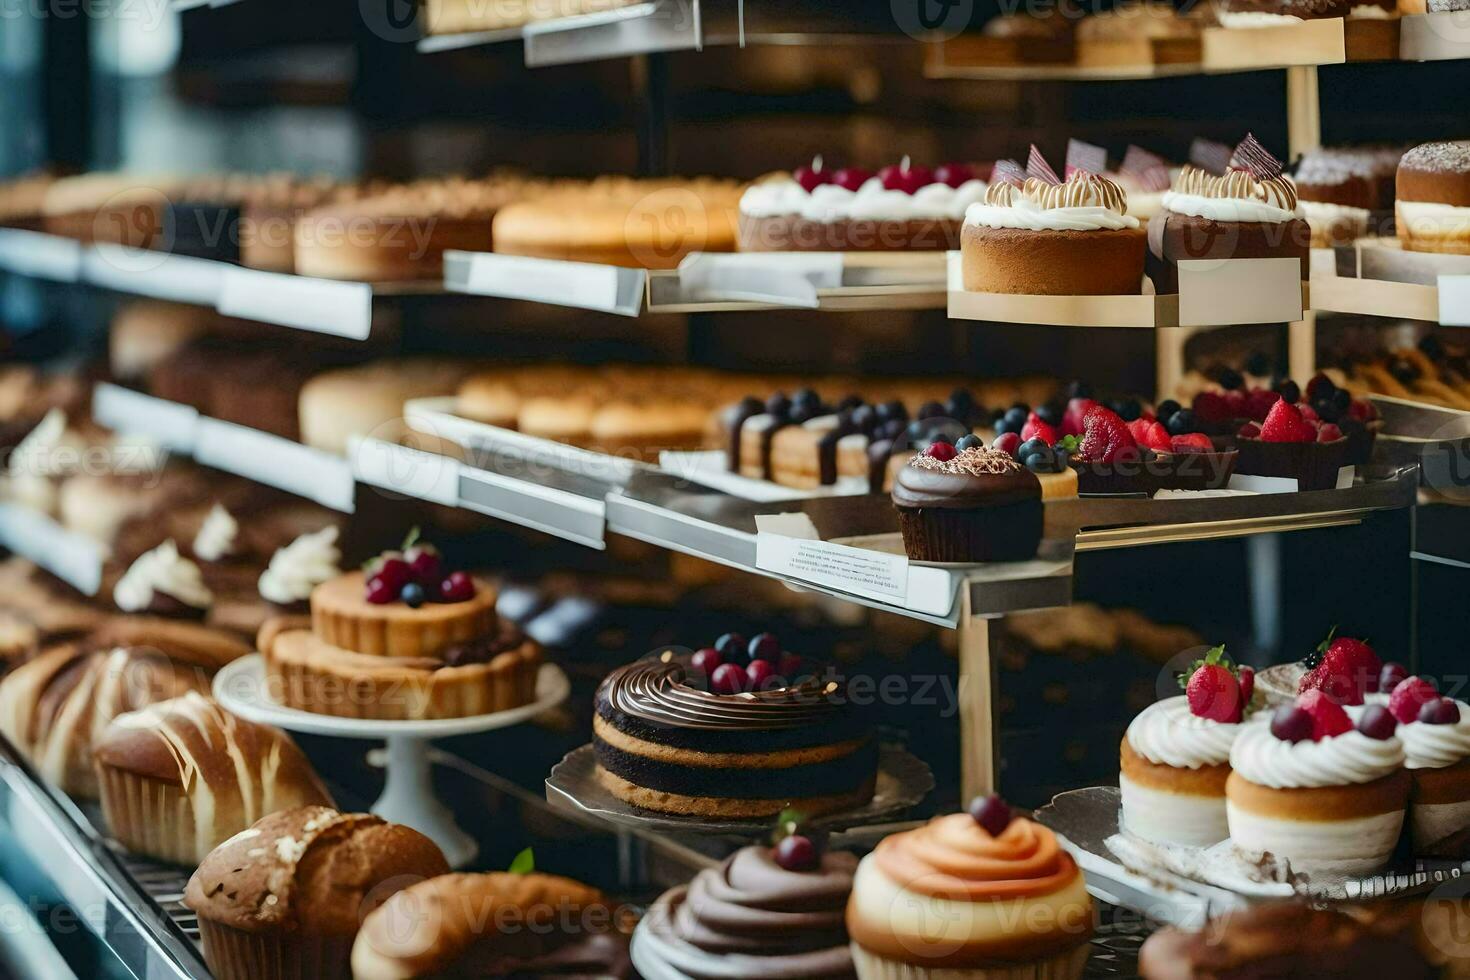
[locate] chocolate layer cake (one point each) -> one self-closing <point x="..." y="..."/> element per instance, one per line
<point x="664" y="742"/>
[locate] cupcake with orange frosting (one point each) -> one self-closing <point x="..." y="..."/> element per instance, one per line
<point x="970" y="895"/>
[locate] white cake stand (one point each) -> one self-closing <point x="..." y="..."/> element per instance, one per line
<point x="408" y="791"/>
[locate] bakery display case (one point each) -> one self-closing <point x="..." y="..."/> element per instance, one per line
<point x="876" y="552"/>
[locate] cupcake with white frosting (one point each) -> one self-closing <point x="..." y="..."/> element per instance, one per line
<point x="162" y="582"/>
<point x="1317" y="791"/>
<point x="300" y="567"/>
<point x="1069" y="238"/>
<point x="1435" y="731"/>
<point x="1175" y="757"/>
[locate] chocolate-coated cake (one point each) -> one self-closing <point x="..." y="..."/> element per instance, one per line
<point x="666" y="742"/>
<point x="979" y="505"/>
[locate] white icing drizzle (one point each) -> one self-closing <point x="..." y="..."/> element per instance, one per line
<point x="1168" y="734"/>
<point x="301" y="566"/>
<point x="216" y="537"/>
<point x="870" y="202"/>
<point x="161" y="570"/>
<point x="1351" y="758"/>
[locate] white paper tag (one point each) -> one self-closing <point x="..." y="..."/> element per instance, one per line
<point x="344" y="309"/>
<point x="276" y="462"/>
<point x="581" y="284"/>
<point x="411" y="472"/>
<point x="873" y="574"/>
<point x="71" y="557"/>
<point x="31" y="253"/>
<point x="126" y="412"/>
<point x="1228" y="291"/>
<point x="1454" y="301"/>
<point x="789" y="278"/>
<point x="1345" y="477"/>
<point x="1262" y="484"/>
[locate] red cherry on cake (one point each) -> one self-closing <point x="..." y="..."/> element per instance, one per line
<point x="1390" y="676"/>
<point x="954" y="174"/>
<point x="1247" y="682"/>
<point x="992" y="813"/>
<point x="1286" y="423"/>
<point x="728" y="679"/>
<point x="1409" y="696"/>
<point x="380" y="591"/>
<point x="905" y="176"/>
<point x="810" y="178"/>
<point x="941" y="450"/>
<point x="1377" y="722"/>
<point x="1007" y="442"/>
<point x="1328" y="718"/>
<point x="1291" y="724"/>
<point x="395" y="571"/>
<point x="425" y="565"/>
<point x="1328" y="433"/>
<point x="706" y="661"/>
<point x="457" y="587"/>
<point x="759" y="672"/>
<point x="765" y="646"/>
<point x="1214" y="693"/>
<point x="852" y="178"/>
<point x="797" y="853"/>
<point x="1441" y="712"/>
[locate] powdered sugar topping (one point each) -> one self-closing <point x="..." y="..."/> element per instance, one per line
<point x="1442" y="158"/>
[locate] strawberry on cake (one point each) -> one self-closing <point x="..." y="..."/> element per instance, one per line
<point x="1292" y="445"/>
<point x="1347" y="669"/>
<point x="1175" y="757"/>
<point x="1315" y="790"/>
<point x="1435" y="731"/>
<point x="1232" y="409"/>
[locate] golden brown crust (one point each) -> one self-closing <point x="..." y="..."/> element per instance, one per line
<point x="185" y="642"/>
<point x="1450" y="784"/>
<point x="1386" y="795"/>
<point x="728" y="807"/>
<point x="1204" y="781"/>
<point x="342" y="617"/>
<point x="1106" y="262"/>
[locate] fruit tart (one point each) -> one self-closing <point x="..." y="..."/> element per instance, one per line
<point x="1292" y="443"/>
<point x="1175" y="756"/>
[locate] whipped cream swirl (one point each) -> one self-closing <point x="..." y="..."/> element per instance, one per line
<point x="1167" y="733"/>
<point x="162" y="570"/>
<point x="301" y="566"/>
<point x="216" y="537"/>
<point x="1348" y="759"/>
<point x="1429" y="746"/>
<point x="870" y="202"/>
<point x="1233" y="196"/>
<point x="1084" y="202"/>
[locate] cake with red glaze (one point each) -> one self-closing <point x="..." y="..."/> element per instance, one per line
<point x="817" y="208"/>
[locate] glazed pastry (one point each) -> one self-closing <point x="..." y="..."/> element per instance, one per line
<point x="494" y="925"/>
<point x="817" y="208"/>
<point x="970" y="895"/>
<point x="1176" y="756"/>
<point x="180" y="776"/>
<point x="675" y="735"/>
<point x="1316" y="792"/>
<point x="284" y="898"/>
<point x="1068" y="239"/>
<point x="970" y="505"/>
<point x="1433" y="209"/>
<point x="765" y="912"/>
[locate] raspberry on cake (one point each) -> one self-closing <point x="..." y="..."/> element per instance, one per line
<point x="903" y="207"/>
<point x="728" y="737"/>
<point x="1433" y="209"/>
<point x="1316" y="792"/>
<point x="1175" y="756"/>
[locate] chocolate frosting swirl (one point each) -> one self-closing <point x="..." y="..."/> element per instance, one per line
<point x="751" y="917"/>
<point x="973" y="478"/>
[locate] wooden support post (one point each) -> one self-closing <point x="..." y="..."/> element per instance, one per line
<point x="1301" y="347"/>
<point x="1303" y="110"/>
<point x="979" y="751"/>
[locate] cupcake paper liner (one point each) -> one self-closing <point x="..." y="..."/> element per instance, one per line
<point x="234" y="954"/>
<point x="1010" y="532"/>
<point x="147" y="816"/>
<point x="1066" y="965"/>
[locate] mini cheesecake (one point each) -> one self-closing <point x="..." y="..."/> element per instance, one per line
<point x="1432" y="213"/>
<point x="1174" y="766"/>
<point x="1329" y="806"/>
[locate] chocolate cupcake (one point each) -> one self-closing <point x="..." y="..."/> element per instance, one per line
<point x="978" y="505"/>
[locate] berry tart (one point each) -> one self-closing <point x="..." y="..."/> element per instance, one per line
<point x="1175" y="756"/>
<point x="403" y="639"/>
<point x="1435" y="731"/>
<point x="736" y="730"/>
<point x="1432" y="213"/>
<point x="1249" y="212"/>
<point x="1274" y="13"/>
<point x="983" y="894"/>
<point x="1317" y="791"/>
<point x="968" y="505"/>
<point x="1292" y="443"/>
<point x="820" y="209"/>
<point x="768" y="911"/>
<point x="1226" y="410"/>
<point x="1052" y="237"/>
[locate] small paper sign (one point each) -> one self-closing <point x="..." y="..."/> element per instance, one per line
<point x="276" y="462"/>
<point x="31" y="253"/>
<point x="169" y="424"/>
<point x="1230" y="291"/>
<point x="585" y="285"/>
<point x="873" y="574"/>
<point x="411" y="472"/>
<point x="787" y="278"/>
<point x="1454" y="301"/>
<point x="343" y="309"/>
